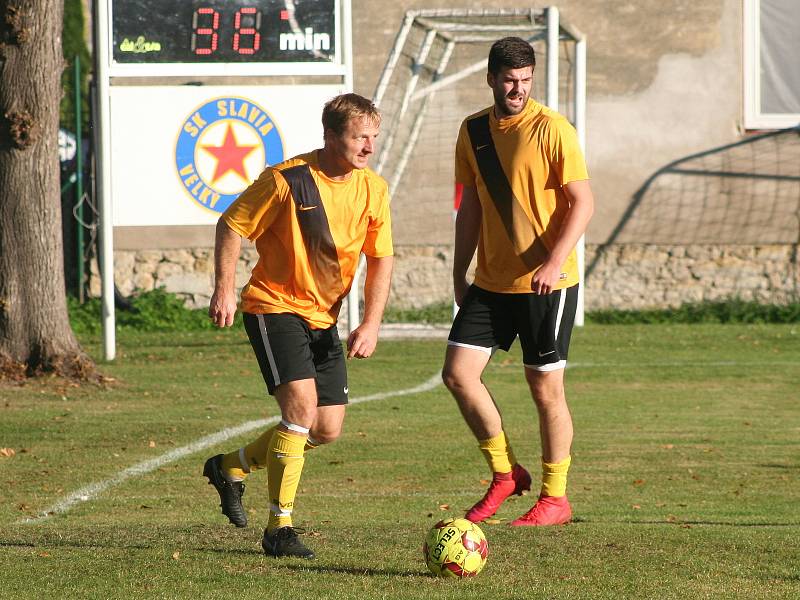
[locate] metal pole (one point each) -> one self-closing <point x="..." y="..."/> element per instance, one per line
<point x="79" y="173"/>
<point x="347" y="29"/>
<point x="103" y="133"/>
<point x="580" y="128"/>
<point x="394" y="56"/>
<point x="419" y="64"/>
<point x="552" y="57"/>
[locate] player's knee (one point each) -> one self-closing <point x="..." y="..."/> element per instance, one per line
<point x="453" y="379"/>
<point x="547" y="390"/>
<point x="326" y="435"/>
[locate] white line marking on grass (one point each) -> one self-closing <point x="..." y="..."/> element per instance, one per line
<point x="91" y="491"/>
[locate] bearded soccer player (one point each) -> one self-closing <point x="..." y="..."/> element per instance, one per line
<point x="525" y="205"/>
<point x="310" y="218"/>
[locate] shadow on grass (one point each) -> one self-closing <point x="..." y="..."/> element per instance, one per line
<point x="320" y="568"/>
<point x="298" y="564"/>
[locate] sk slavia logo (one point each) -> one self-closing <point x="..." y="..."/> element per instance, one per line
<point x="222" y="148"/>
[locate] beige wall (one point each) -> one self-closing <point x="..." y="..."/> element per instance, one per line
<point x="663" y="81"/>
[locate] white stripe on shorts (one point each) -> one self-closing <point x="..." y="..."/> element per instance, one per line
<point x="488" y="350"/>
<point x="562" y="364"/>
<point x="262" y="327"/>
<point x="561" y="300"/>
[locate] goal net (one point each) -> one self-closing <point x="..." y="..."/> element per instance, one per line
<point x="434" y="77"/>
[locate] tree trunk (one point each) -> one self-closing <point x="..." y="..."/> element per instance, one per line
<point x="35" y="334"/>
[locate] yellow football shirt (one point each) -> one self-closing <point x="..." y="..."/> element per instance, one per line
<point x="539" y="153"/>
<point x="306" y="269"/>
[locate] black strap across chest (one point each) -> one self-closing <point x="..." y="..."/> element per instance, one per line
<point x="323" y="258"/>
<point x="530" y="250"/>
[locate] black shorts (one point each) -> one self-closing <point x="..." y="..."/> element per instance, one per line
<point x="489" y="320"/>
<point x="287" y="349"/>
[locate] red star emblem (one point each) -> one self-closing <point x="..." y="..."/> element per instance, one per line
<point x="230" y="156"/>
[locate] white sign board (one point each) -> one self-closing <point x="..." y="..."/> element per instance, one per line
<point x="181" y="154"/>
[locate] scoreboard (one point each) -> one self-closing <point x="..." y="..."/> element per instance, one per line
<point x="224" y="37"/>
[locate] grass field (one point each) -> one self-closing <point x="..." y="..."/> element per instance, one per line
<point x="685" y="479"/>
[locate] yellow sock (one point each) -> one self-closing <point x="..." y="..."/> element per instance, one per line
<point x="497" y="453"/>
<point x="554" y="478"/>
<point x="240" y="463"/>
<point x="284" y="466"/>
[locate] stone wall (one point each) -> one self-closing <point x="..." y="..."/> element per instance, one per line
<point x="633" y="276"/>
<point x="621" y="276"/>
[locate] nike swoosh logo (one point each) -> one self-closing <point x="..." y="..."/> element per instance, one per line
<point x="546" y="353"/>
<point x="482" y="147"/>
<point x="306" y="207"/>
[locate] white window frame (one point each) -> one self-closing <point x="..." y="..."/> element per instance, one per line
<point x="754" y="117"/>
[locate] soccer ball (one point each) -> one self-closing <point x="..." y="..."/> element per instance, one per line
<point x="455" y="548"/>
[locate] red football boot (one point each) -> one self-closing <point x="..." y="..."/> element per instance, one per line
<point x="503" y="485"/>
<point x="549" y="510"/>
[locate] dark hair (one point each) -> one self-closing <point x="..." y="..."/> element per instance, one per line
<point x="510" y="53"/>
<point x="339" y="110"/>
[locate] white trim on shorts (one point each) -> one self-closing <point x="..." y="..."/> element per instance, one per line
<point x="562" y="364"/>
<point x="262" y="328"/>
<point x="490" y="350"/>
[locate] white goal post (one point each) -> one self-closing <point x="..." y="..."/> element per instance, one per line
<point x="434" y="76"/>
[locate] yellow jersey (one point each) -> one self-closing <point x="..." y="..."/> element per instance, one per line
<point x="538" y="152"/>
<point x="309" y="231"/>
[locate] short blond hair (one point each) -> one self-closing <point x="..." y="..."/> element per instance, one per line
<point x="340" y="110"/>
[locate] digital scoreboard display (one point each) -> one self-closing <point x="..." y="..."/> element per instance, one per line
<point x="223" y="31"/>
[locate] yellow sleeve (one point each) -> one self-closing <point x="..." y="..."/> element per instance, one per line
<point x="565" y="153"/>
<point x="378" y="242"/>
<point x="464" y="171"/>
<point x="255" y="209"/>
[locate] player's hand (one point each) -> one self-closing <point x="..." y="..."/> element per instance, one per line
<point x="222" y="308"/>
<point x="362" y="341"/>
<point x="460" y="288"/>
<point x="545" y="279"/>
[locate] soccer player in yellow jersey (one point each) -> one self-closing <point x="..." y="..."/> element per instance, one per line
<point x="310" y="218"/>
<point x="525" y="205"/>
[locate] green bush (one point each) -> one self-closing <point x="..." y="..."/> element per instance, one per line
<point x="74" y="44"/>
<point x="441" y="312"/>
<point x="157" y="310"/>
